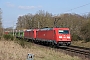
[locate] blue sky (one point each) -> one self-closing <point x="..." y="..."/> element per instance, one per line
<point x="13" y="8"/>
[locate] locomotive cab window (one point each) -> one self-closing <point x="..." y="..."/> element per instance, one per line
<point x="63" y="31"/>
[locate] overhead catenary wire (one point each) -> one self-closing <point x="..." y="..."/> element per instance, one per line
<point x="78" y="7"/>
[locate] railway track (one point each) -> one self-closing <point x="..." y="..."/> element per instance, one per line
<point x="82" y="52"/>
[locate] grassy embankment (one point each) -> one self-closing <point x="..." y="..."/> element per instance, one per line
<point x="18" y="50"/>
<point x="81" y="44"/>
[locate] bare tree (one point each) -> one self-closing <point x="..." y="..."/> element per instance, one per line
<point x="39" y="20"/>
<point x="1" y="29"/>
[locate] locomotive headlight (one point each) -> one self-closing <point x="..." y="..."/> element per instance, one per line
<point x="60" y="36"/>
<point x="68" y="36"/>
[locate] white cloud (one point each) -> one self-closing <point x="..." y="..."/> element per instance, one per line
<point x="20" y="15"/>
<point x="10" y="4"/>
<point x="29" y="7"/>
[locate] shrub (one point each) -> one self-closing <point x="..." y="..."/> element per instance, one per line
<point x="75" y="37"/>
<point x="85" y="32"/>
<point x="8" y="37"/>
<point x="21" y="42"/>
<point x="12" y="37"/>
<point x="0" y="37"/>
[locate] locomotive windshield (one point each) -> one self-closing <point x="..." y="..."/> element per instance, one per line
<point x="63" y="31"/>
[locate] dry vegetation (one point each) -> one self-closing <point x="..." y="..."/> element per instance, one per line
<point x="81" y="43"/>
<point x="10" y="50"/>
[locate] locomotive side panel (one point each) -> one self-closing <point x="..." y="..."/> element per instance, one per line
<point x="40" y="35"/>
<point x="50" y="35"/>
<point x="30" y="34"/>
<point x="46" y="36"/>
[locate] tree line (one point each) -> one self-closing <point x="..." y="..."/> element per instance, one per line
<point x="79" y="24"/>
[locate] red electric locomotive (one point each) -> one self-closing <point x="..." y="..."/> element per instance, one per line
<point x="54" y="36"/>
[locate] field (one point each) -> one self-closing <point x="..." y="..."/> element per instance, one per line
<point x="12" y="50"/>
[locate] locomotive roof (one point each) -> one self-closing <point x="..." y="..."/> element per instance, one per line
<point x="29" y="30"/>
<point x="54" y="28"/>
<point x="46" y="29"/>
